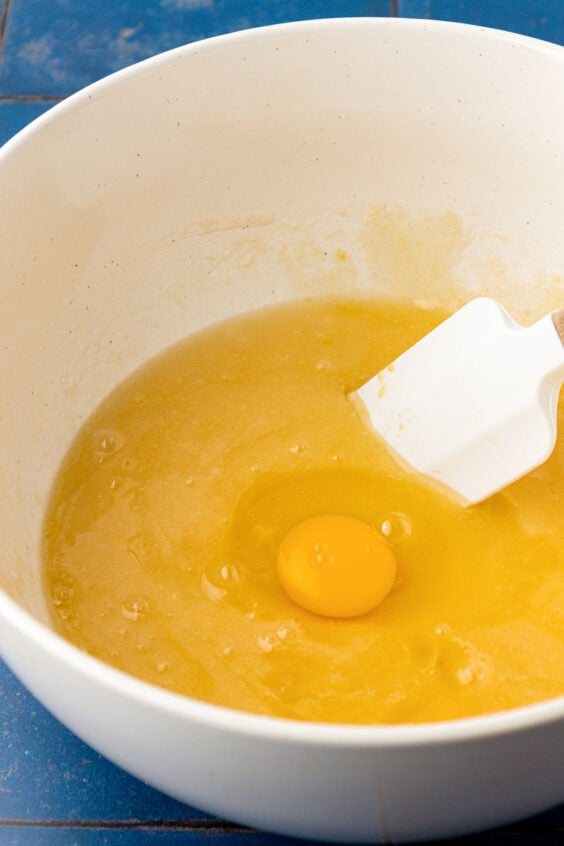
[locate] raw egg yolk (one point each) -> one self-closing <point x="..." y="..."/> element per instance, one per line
<point x="336" y="566"/>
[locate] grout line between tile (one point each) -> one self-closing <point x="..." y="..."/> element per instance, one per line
<point x="31" y="98"/>
<point x="210" y="826"/>
<point x="4" y="13"/>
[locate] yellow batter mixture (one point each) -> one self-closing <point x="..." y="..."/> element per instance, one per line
<point x="163" y="532"/>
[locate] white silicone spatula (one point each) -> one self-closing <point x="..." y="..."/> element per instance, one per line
<point x="473" y="404"/>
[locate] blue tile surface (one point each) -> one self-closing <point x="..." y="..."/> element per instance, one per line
<point x="47" y="773"/>
<point x="15" y="115"/>
<point x="539" y="19"/>
<point x="57" y="47"/>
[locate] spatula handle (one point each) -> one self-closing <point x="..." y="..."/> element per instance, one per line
<point x="558" y="320"/>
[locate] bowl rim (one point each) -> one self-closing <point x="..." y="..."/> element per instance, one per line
<point x="247" y="36"/>
<point x="219" y="717"/>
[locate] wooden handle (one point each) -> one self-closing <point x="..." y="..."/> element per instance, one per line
<point x="558" y="320"/>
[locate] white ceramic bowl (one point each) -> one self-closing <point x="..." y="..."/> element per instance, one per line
<point x="213" y="179"/>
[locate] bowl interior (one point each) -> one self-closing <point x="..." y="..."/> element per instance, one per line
<point x="358" y="157"/>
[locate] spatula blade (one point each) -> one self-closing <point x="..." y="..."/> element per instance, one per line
<point x="473" y="404"/>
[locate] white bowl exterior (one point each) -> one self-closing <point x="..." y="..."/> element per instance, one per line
<point x="209" y="181"/>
